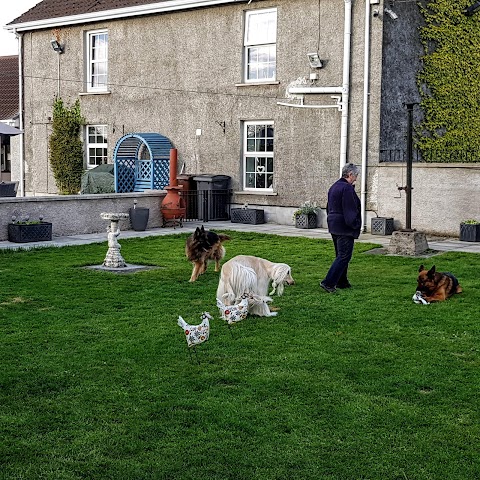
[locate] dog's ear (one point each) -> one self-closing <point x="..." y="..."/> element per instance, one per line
<point x="431" y="272"/>
<point x="202" y="229"/>
<point x="421" y="268"/>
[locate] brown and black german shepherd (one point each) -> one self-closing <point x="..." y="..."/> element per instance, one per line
<point x="202" y="246"/>
<point x="436" y="286"/>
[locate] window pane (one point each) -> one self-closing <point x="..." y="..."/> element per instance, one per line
<point x="269" y="181"/>
<point x="250" y="145"/>
<point x="260" y="181"/>
<point x="250" y="180"/>
<point x="250" y="166"/>
<point x="261" y="27"/>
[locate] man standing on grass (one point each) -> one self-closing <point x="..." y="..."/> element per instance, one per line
<point x="344" y="222"/>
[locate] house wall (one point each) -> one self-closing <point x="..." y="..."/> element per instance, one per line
<point x="179" y="72"/>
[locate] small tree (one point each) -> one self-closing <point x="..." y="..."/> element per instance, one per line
<point x="66" y="149"/>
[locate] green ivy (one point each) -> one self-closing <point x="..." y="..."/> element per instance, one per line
<point x="449" y="83"/>
<point x="66" y="148"/>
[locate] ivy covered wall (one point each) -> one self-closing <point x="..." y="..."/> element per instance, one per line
<point x="431" y="55"/>
<point x="449" y="83"/>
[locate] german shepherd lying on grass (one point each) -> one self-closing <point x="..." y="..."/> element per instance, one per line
<point x="203" y="246"/>
<point x="436" y="286"/>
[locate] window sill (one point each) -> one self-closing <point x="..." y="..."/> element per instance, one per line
<point x="252" y="192"/>
<point x="256" y="84"/>
<point x="106" y="92"/>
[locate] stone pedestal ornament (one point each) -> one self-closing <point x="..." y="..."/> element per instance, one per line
<point x="408" y="243"/>
<point x="114" y="258"/>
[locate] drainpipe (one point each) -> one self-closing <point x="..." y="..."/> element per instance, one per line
<point x="20" y="107"/>
<point x="366" y="93"/>
<point x="345" y="83"/>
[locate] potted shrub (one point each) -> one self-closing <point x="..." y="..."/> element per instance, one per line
<point x="26" y="230"/>
<point x="470" y="231"/>
<point x="306" y="215"/>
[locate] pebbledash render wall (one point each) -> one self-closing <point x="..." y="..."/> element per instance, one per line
<point x="179" y="72"/>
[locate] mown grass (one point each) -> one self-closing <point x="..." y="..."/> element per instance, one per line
<point x="97" y="383"/>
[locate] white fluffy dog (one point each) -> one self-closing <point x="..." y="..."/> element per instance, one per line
<point x="245" y="274"/>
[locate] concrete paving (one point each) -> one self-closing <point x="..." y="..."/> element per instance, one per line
<point x="435" y="243"/>
<point x="442" y="244"/>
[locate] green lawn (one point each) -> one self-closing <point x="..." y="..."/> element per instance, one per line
<point x="96" y="381"/>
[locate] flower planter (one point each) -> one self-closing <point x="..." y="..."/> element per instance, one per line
<point x="247" y="215"/>
<point x="470" y="232"/>
<point x="32" y="232"/>
<point x="139" y="218"/>
<point x="306" y="220"/>
<point x="382" y="226"/>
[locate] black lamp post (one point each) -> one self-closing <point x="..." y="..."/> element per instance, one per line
<point x="408" y="187"/>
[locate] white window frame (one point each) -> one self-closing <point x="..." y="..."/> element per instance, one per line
<point x="264" y="39"/>
<point x="96" y="145"/>
<point x="261" y="158"/>
<point x="91" y="62"/>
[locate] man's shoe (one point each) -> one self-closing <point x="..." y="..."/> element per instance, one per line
<point x="327" y="288"/>
<point x="344" y="285"/>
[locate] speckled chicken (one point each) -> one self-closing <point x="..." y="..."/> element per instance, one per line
<point x="233" y="313"/>
<point x="196" y="334"/>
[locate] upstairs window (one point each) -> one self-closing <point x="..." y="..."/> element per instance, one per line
<point x="258" y="141"/>
<point x="97" y="61"/>
<point x="260" y="49"/>
<point x="96" y="145"/>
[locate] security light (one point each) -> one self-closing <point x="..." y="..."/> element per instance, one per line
<point x="56" y="46"/>
<point x="314" y="60"/>
<point x="391" y="13"/>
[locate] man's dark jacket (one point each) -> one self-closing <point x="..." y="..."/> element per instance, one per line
<point x="343" y="209"/>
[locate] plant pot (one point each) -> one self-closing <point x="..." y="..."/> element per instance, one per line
<point x="382" y="226"/>
<point x="252" y="216"/>
<point x="306" y="220"/>
<point x="469" y="232"/>
<point x="139" y="218"/>
<point x="33" y="232"/>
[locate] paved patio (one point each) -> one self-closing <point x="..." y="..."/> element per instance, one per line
<point x="435" y="243"/>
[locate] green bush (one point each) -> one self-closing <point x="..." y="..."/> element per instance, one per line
<point x="66" y="149"/>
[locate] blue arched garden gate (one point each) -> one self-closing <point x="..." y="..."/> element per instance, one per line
<point x="142" y="162"/>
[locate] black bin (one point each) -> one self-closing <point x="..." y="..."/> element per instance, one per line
<point x="213" y="197"/>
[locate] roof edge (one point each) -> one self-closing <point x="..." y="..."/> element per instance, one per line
<point x="117" y="13"/>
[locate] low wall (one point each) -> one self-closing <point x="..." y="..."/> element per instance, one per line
<point x="78" y="214"/>
<point x="443" y="195"/>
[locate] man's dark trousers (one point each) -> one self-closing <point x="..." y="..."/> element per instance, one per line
<point x="337" y="275"/>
